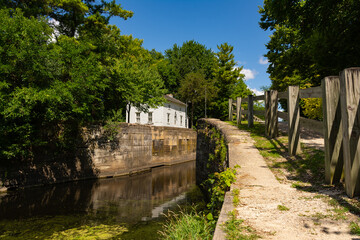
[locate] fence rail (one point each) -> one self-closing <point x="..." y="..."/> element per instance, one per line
<point x="340" y="127"/>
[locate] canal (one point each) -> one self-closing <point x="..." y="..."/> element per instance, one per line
<point x="97" y="209"/>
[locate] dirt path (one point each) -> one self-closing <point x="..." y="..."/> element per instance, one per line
<point x="279" y="211"/>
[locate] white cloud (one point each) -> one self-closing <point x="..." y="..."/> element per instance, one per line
<point x="249" y="74"/>
<point x="263" y="60"/>
<point x="257" y="92"/>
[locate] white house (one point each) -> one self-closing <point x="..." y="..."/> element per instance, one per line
<point x="172" y="114"/>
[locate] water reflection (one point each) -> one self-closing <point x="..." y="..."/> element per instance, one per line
<point x="128" y="199"/>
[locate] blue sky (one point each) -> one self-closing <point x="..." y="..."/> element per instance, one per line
<point x="162" y="23"/>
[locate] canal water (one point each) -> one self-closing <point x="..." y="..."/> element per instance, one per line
<point x="97" y="209"/>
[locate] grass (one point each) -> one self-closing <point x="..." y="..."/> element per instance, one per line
<point x="236" y="229"/>
<point x="354" y="228"/>
<point x="283" y="208"/>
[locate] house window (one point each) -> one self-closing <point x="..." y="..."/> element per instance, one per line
<point x="168" y="118"/>
<point x="181" y="120"/>
<point x="138" y="117"/>
<point x="175" y="119"/>
<point x="150" y="117"/>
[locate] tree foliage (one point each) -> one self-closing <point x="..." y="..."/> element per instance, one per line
<point x="192" y="69"/>
<point x="50" y="88"/>
<point x="228" y="80"/>
<point x="311" y="39"/>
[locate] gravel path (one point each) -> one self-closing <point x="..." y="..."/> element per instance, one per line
<point x="276" y="210"/>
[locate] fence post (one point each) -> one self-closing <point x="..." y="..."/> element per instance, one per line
<point x="333" y="132"/>
<point x="350" y="117"/>
<point x="250" y="111"/>
<point x="294" y="120"/>
<point x="230" y="109"/>
<point x="273" y="113"/>
<point x="271" y="105"/>
<point x="267" y="112"/>
<point x="238" y="110"/>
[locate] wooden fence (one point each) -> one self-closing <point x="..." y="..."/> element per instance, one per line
<point x="340" y="126"/>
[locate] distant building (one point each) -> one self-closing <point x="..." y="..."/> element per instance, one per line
<point x="172" y="114"/>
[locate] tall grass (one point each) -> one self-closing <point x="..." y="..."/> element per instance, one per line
<point x="183" y="225"/>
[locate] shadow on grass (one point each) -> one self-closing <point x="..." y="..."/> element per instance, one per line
<point x="306" y="170"/>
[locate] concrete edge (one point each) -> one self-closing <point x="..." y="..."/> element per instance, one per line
<point x="227" y="131"/>
<point x="227" y="207"/>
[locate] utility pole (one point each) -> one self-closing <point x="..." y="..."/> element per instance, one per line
<point x="205" y="102"/>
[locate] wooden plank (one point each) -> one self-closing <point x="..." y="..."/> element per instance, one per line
<point x="230" y="109"/>
<point x="283" y="115"/>
<point x="314" y="92"/>
<point x="257" y="98"/>
<point x="251" y="111"/>
<point x="350" y="118"/>
<point x="238" y="110"/>
<point x="333" y="133"/>
<point x="283" y="95"/>
<point x="294" y="120"/>
<point x="244" y="100"/>
<point x="259" y="112"/>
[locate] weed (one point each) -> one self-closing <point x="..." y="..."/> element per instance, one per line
<point x="283" y="208"/>
<point x="319" y="196"/>
<point x="235" y="194"/>
<point x="217" y="185"/>
<point x="354" y="228"/>
<point x="333" y="202"/>
<point x="319" y="216"/>
<point x="235" y="229"/>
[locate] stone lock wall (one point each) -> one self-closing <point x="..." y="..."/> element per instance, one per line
<point x="125" y="149"/>
<point x="139" y="147"/>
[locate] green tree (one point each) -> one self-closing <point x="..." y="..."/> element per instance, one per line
<point x="191" y="57"/>
<point x="70" y="14"/>
<point x="195" y="89"/>
<point x="229" y="81"/>
<point x="49" y="89"/>
<point x="311" y="39"/>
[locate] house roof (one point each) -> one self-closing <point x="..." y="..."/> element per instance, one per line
<point x="170" y="98"/>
